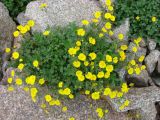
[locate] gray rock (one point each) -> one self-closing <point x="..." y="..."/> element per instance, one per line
<point x="151" y="44"/>
<point x="158" y="66"/>
<point x="141" y="80"/>
<point x="156" y="80"/>
<point x="140" y="52"/>
<point x="141" y="99"/>
<point x="60" y="12"/>
<point x="122" y="74"/>
<point x="151" y="60"/>
<point x="17" y="105"/>
<point x="7" y="27"/>
<point x="142" y="43"/>
<point x="22" y="20"/>
<point x="123" y="28"/>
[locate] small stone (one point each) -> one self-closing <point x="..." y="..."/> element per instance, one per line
<point x="141" y="80"/>
<point x="151" y="60"/>
<point x="151" y="44"/>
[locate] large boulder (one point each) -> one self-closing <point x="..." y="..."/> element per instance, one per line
<point x="141" y="99"/>
<point x="60" y="12"/>
<point x="17" y="105"/>
<point x="7" y="27"/>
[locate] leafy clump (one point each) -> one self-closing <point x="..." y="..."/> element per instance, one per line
<point x="143" y="15"/>
<point x="15" y="6"/>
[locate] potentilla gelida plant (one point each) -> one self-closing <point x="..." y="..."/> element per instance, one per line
<point x="75" y="60"/>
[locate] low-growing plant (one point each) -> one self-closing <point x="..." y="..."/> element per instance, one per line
<point x="143" y="15"/>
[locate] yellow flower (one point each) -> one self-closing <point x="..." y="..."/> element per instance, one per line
<point x="88" y="75"/>
<point x="20" y="60"/>
<point x="19" y="27"/>
<point x="137" y="18"/>
<point x="104" y="30"/>
<point x="100" y="74"/>
<point x="113" y="94"/>
<point x="67" y="91"/>
<point x="124" y="88"/>
<point x="82" y="57"/>
<point x="120" y="36"/>
<point x="31" y="23"/>
<point x="26" y="89"/>
<point x="86" y="63"/>
<point x="72" y="51"/>
<point x="71" y="96"/>
<point x="115" y="60"/>
<point x="133" y="62"/>
<point x="93" y="77"/>
<point x="124" y="47"/>
<point x="78" y="73"/>
<point x="85" y="22"/>
<point x="109" y="68"/>
<point x="107" y="91"/>
<point x="143" y="67"/>
<point x="35" y="63"/>
<point x="43" y="105"/>
<point x="102" y="64"/>
<point x="43" y="5"/>
<point x="19" y="81"/>
<point x="110" y="8"/>
<point x="15" y="55"/>
<point x="108" y="25"/>
<point x="7" y="50"/>
<point x="101" y="35"/>
<point x="10" y="88"/>
<point x="27" y="27"/>
<point x="9" y="80"/>
<point x="31" y="80"/>
<point x="108" y="2"/>
<point x="107" y="15"/>
<point x="97" y="14"/>
<point x="110" y="33"/>
<point x="121" y="107"/>
<point x="134" y="49"/>
<point x="12" y="73"/>
<point x="71" y="118"/>
<point x="137" y="70"/>
<point x="33" y="94"/>
<point x="107" y="75"/>
<point x="48" y="98"/>
<point x="130" y="71"/>
<point x="78" y="43"/>
<point x="119" y="94"/>
<point x="126" y="103"/>
<point x="87" y="92"/>
<point x="16" y="34"/>
<point x="108" y="58"/>
<point x="76" y="64"/>
<point x="112" y="18"/>
<point x="154" y="19"/>
<point x="141" y="58"/>
<point x="60" y="84"/>
<point x="95" y="95"/>
<point x="81" y="32"/>
<point x="92" y="55"/>
<point x="46" y="33"/>
<point x="81" y="78"/>
<point x="41" y="81"/>
<point x="95" y="20"/>
<point x="92" y="41"/>
<point x="64" y="109"/>
<point x="21" y="66"/>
